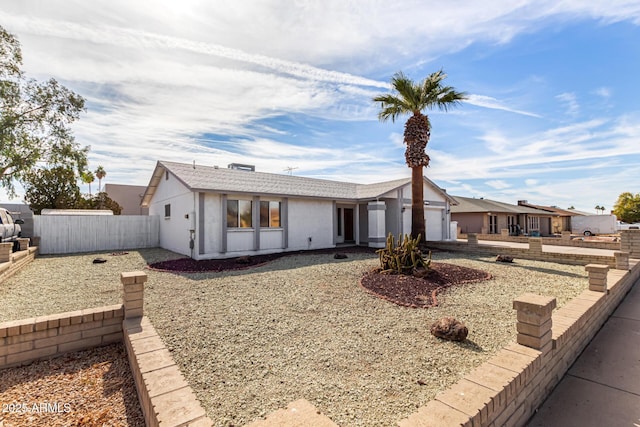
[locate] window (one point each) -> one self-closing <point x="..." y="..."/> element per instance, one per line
<point x="239" y="214"/>
<point x="493" y="224"/>
<point x="167" y="211"/>
<point x="534" y="223"/>
<point x="269" y="214"/>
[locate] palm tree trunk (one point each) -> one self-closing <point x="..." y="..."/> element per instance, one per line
<point x="417" y="203"/>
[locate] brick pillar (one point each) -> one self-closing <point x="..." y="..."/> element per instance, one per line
<point x="504" y="232"/>
<point x="622" y="260"/>
<point x="597" y="277"/>
<point x="534" y="320"/>
<point x="133" y="286"/>
<point x="24" y="243"/>
<point x="472" y="239"/>
<point x="566" y="236"/>
<point x="630" y="242"/>
<point x="5" y="252"/>
<point x="535" y="245"/>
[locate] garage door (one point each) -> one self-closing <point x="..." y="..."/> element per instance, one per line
<point x="433" y="219"/>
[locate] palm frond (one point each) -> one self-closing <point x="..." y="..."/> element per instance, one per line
<point x="409" y="97"/>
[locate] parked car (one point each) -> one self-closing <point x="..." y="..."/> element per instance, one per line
<point x="10" y="229"/>
<point x="626" y="226"/>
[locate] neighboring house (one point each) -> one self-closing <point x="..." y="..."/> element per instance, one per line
<point x="490" y="217"/>
<point x="211" y="212"/>
<point x="128" y="197"/>
<point x="561" y="219"/>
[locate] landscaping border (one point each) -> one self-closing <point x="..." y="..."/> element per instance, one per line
<point x="508" y="388"/>
<point x="164" y="395"/>
<point x="12" y="262"/>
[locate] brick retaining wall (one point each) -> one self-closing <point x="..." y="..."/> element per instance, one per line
<point x="23" y="341"/>
<point x="165" y="397"/>
<point x="533" y="253"/>
<point x="12" y="262"/>
<point x="508" y="388"/>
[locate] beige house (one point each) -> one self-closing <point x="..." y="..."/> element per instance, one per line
<point x="486" y="216"/>
<point x="129" y="197"/>
<point x="561" y="219"/>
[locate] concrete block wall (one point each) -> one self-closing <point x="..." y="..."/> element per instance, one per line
<point x="165" y="397"/>
<point x="535" y="252"/>
<point x="23" y="341"/>
<point x="12" y="262"/>
<point x="508" y="388"/>
<point x="553" y="241"/>
<point x="630" y="242"/>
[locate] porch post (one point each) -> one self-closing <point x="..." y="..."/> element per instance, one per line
<point x="377" y="224"/>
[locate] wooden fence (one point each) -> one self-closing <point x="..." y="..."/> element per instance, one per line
<point x="62" y="234"/>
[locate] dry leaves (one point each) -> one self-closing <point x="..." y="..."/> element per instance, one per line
<point x="86" y="388"/>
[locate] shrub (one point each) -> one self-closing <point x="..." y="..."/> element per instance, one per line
<point x="405" y="257"/>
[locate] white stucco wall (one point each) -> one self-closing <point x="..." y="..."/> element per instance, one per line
<point x="310" y="218"/>
<point x="174" y="230"/>
<point x="271" y="238"/>
<point x="212" y="223"/>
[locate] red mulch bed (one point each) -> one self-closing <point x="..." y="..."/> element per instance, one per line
<point x="411" y="291"/>
<point x="189" y="265"/>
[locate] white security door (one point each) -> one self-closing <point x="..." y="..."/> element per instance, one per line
<point x="433" y="220"/>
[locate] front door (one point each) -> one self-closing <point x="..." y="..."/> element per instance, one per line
<point x="348" y="225"/>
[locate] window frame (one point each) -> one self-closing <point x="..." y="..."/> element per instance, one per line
<point x="243" y="215"/>
<point x="267" y="217"/>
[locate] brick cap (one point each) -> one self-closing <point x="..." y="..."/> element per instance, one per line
<point x="596" y="267"/>
<point x="131" y="277"/>
<point x="534" y="303"/>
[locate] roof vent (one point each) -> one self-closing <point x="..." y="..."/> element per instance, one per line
<point x="242" y="167"/>
<point x="522" y="202"/>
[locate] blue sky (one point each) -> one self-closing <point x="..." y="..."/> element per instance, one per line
<point x="552" y="115"/>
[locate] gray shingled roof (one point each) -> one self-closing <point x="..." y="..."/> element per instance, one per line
<point x="469" y="205"/>
<point x="208" y="178"/>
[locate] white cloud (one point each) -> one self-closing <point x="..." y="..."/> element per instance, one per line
<point x="489" y="102"/>
<point x="603" y="92"/>
<point x="498" y="184"/>
<point x="570" y="99"/>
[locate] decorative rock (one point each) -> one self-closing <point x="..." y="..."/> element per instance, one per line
<point x="449" y="328"/>
<point x="504" y="258"/>
<point x="244" y="259"/>
<point x="99" y="261"/>
<point x="340" y="256"/>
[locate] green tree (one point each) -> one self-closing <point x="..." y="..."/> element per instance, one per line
<point x="34" y="120"/>
<point x="627" y="207"/>
<point x="413" y="98"/>
<point x="54" y="188"/>
<point x="100" y="201"/>
<point x="87" y="177"/>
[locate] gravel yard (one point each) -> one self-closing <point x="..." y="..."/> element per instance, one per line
<point x="251" y="341"/>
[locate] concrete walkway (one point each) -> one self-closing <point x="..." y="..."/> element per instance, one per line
<point x="602" y="388"/>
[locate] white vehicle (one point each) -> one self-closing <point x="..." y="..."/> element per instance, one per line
<point x="10" y="230"/>
<point x="626" y="226"/>
<point x="590" y="225"/>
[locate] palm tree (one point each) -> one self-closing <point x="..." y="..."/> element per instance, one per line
<point x="413" y="98"/>
<point x="100" y="173"/>
<point x="87" y="177"/>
